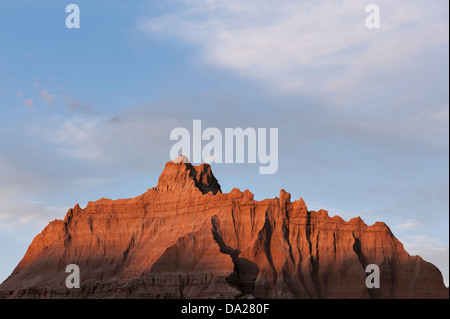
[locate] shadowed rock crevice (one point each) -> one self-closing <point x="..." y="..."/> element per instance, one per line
<point x="204" y="179"/>
<point x="286" y="208"/>
<point x="308" y="230"/>
<point x="179" y="175"/>
<point x="357" y="249"/>
<point x="315" y="264"/>
<point x="362" y="260"/>
<point x="245" y="272"/>
<point x="264" y="240"/>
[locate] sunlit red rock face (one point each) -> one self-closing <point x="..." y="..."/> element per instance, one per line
<point x="185" y="239"/>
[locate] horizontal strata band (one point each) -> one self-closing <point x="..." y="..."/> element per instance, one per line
<point x="184" y="238"/>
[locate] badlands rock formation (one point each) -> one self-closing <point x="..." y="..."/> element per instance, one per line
<point x="186" y="239"/>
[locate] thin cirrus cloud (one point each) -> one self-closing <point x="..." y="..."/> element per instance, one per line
<point x="430" y="249"/>
<point x="304" y="46"/>
<point x="379" y="80"/>
<point x="22" y="214"/>
<point x="70" y="103"/>
<point x="27" y="102"/>
<point x="49" y="98"/>
<point x="95" y="139"/>
<point x="407" y="225"/>
<point x="45" y="94"/>
<point x="78" y="106"/>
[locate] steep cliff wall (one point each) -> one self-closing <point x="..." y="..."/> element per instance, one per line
<point x="185" y="239"/>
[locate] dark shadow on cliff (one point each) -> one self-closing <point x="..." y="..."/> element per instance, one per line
<point x="245" y="272"/>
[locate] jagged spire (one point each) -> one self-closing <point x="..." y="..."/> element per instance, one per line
<point x="180" y="174"/>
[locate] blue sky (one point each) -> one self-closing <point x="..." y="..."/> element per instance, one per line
<point x="363" y="114"/>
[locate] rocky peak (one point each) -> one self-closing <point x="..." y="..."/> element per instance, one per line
<point x="181" y="175"/>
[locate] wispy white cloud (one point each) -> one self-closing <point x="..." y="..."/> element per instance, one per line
<point x="430" y="249"/>
<point x="49" y="98"/>
<point x="28" y="102"/>
<point x="103" y="140"/>
<point x="376" y="84"/>
<point x="73" y="105"/>
<point x="17" y="210"/>
<point x="407" y="225"/>
<point x="441" y="116"/>
<point x="307" y="46"/>
<point x="80" y="138"/>
<point x="19" y="214"/>
<point x="45" y="94"/>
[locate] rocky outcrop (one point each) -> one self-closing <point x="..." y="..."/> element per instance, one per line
<point x="186" y="239"/>
<point x="181" y="175"/>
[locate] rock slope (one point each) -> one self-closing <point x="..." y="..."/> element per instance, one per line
<point x="186" y="239"/>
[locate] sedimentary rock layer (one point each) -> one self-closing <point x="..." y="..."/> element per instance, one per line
<point x="186" y="239"/>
